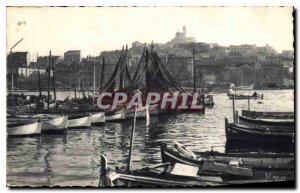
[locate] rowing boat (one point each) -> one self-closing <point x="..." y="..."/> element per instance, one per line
<point x="154" y="176"/>
<point x="98" y="118"/>
<point x="263" y="165"/>
<point x="272" y="124"/>
<point x="23" y="128"/>
<point x="58" y="124"/>
<point x="244" y="97"/>
<point x="79" y="121"/>
<point x="245" y="159"/>
<point x="257" y="134"/>
<point x="268" y="115"/>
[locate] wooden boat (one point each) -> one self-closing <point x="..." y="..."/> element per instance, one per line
<point x="257" y="134"/>
<point x="268" y="115"/>
<point x="79" y="121"/>
<point x="274" y="124"/>
<point x="23" y="128"/>
<point x="206" y="166"/>
<point x="245" y="159"/>
<point x="209" y="101"/>
<point x="244" y="97"/>
<point x="57" y="124"/>
<point x="245" y="87"/>
<point x="98" y="118"/>
<point x="50" y="123"/>
<point x="157" y="175"/>
<point x="115" y="115"/>
<point x="265" y="166"/>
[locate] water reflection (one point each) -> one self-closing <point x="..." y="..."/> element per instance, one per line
<point x="73" y="158"/>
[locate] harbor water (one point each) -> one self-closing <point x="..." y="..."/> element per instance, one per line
<point x="73" y="159"/>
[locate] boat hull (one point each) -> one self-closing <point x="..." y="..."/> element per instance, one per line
<point x="244" y="97"/>
<point x="98" y="118"/>
<point x="268" y="167"/>
<point x="249" y="134"/>
<point x="268" y="115"/>
<point x="272" y="124"/>
<point x="79" y="122"/>
<point x="24" y="130"/>
<point x="115" y="116"/>
<point x="55" y="125"/>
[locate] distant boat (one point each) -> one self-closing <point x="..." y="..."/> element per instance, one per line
<point x="24" y="128"/>
<point x="98" y="118"/>
<point x="209" y="101"/>
<point x="244" y="97"/>
<point x="220" y="88"/>
<point x="249" y="87"/>
<point x="261" y="135"/>
<point x="268" y="114"/>
<point x="79" y="121"/>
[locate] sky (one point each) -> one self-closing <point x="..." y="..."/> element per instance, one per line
<point x="96" y="29"/>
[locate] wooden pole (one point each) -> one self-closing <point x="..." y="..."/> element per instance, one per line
<point x="233" y="109"/>
<point x="53" y="78"/>
<point x="94" y="82"/>
<point x="131" y="140"/>
<point x="12" y="83"/>
<point x="248" y="103"/>
<point x="40" y="88"/>
<point x="102" y="74"/>
<point x="194" y="69"/>
<point x="75" y="81"/>
<point x="49" y="79"/>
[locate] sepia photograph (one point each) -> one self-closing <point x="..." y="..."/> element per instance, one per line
<point x="143" y="97"/>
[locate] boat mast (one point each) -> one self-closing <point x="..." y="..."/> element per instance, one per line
<point x="131" y="140"/>
<point x="53" y="79"/>
<point x="40" y="89"/>
<point x="75" y="81"/>
<point x="12" y="82"/>
<point x="49" y="79"/>
<point x="194" y="72"/>
<point x="102" y="74"/>
<point x="94" y="82"/>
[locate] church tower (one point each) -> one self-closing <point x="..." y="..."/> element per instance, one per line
<point x="184" y="31"/>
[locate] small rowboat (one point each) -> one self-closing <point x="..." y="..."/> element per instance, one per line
<point x="257" y="134"/>
<point x="246" y="159"/>
<point x="205" y="166"/>
<point x="281" y="165"/>
<point x="273" y="124"/>
<point x="209" y="101"/>
<point x="268" y="115"/>
<point x="98" y="118"/>
<point x="115" y="115"/>
<point x="79" y="121"/>
<point x="244" y="97"/>
<point x="24" y="128"/>
<point x="51" y="123"/>
<point x="158" y="175"/>
<point x="58" y="124"/>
